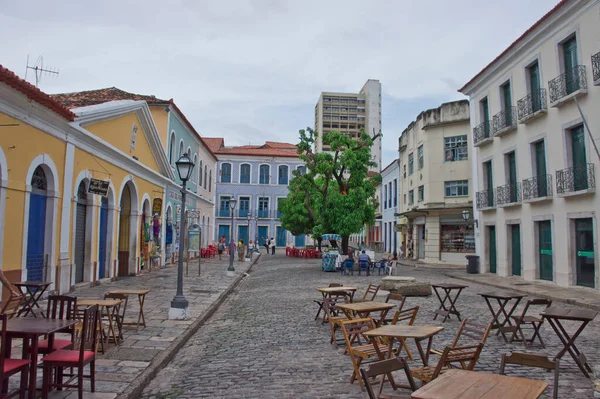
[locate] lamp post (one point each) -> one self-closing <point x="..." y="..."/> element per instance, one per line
<point x="179" y="305"/>
<point x="248" y="217"/>
<point x="466" y="215"/>
<point x="231" y="269"/>
<point x="256" y="233"/>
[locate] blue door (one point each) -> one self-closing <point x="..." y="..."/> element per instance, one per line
<point x="35" y="237"/>
<point x="299" y="241"/>
<point x="280" y="240"/>
<point x="243" y="234"/>
<point x="103" y="238"/>
<point x="224" y="231"/>
<point x="263" y="234"/>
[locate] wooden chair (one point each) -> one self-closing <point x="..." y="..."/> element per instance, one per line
<point x="535" y="322"/>
<point x="10" y="367"/>
<point x="61" y="307"/>
<point x="407" y="315"/>
<point x="15" y="299"/>
<point x="84" y="354"/>
<point x="385" y="368"/>
<point x="462" y="354"/>
<point x="400" y="303"/>
<point x="334" y="315"/>
<point x="353" y="330"/>
<point x="369" y="294"/>
<point x="474" y="332"/>
<point x="119" y="310"/>
<point x="530" y="360"/>
<point x="320" y="302"/>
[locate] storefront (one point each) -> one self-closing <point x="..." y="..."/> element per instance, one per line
<point x="172" y="221"/>
<point x="457" y="238"/>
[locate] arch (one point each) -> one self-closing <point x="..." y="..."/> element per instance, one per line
<point x="283" y="174"/>
<point x="195" y="175"/>
<point x="264" y="174"/>
<point x="144" y="227"/>
<point x="106" y="223"/>
<point x="172" y="148"/>
<point x="83" y="227"/>
<point x="209" y="179"/>
<point x="168" y="231"/>
<point x="245" y="173"/>
<point x="127" y="230"/>
<point x="200" y="174"/>
<point x="301" y="170"/>
<point x="181" y="148"/>
<point x="3" y="184"/>
<point x="46" y="209"/>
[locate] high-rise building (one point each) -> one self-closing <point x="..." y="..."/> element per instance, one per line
<point x="350" y="113"/>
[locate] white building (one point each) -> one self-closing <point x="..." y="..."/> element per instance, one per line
<point x="534" y="160"/>
<point x="389" y="197"/>
<point x="436" y="185"/>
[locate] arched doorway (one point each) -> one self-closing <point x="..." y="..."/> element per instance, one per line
<point x="36" y="233"/>
<point x="102" y="247"/>
<point x="169" y="234"/>
<point x="127" y="245"/>
<point x="145" y="232"/>
<point x="80" y="228"/>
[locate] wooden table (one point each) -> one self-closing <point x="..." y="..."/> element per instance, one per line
<point x="464" y="384"/>
<point x="33" y="292"/>
<point x="402" y="332"/>
<point x="503" y="298"/>
<point x="362" y="309"/>
<point x="451" y="309"/>
<point x="555" y="315"/>
<point x="329" y="291"/>
<point x="141" y="298"/>
<point x="30" y="331"/>
<point x="110" y="307"/>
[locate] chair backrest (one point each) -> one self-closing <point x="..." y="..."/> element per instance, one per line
<point x="353" y="330"/>
<point x="122" y="307"/>
<point x="3" y="319"/>
<point x="348" y="263"/>
<point x="335" y="285"/>
<point x="13" y="289"/>
<point x="396" y="297"/>
<point x="474" y="331"/>
<point x="537" y="302"/>
<point x="370" y="293"/>
<point x="462" y="354"/>
<point x="87" y="339"/>
<point x="61" y="307"/>
<point x="10" y="308"/>
<point x="385" y="367"/>
<point x="530" y="360"/>
<point x="330" y="304"/>
<point x="406" y="315"/>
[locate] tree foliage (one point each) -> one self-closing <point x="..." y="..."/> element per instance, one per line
<point x="337" y="192"/>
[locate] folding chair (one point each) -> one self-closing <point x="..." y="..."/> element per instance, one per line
<point x="119" y="311"/>
<point x="15" y="299"/>
<point x="461" y="354"/>
<point x="535" y="321"/>
<point x="385" y="368"/>
<point x="320" y="303"/>
<point x="475" y="332"/>
<point x="527" y="359"/>
<point x="369" y="294"/>
<point x="60" y="307"/>
<point x="334" y="315"/>
<point x="405" y="315"/>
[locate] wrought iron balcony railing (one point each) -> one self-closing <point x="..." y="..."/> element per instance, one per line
<point x="567" y="83"/>
<point x="508" y="194"/>
<point x="576" y="178"/>
<point x="481" y="132"/>
<point x="596" y="66"/>
<point x="484" y="199"/>
<point x="537" y="187"/>
<point x="532" y="103"/>
<point x="505" y="120"/>
<point x="263" y="213"/>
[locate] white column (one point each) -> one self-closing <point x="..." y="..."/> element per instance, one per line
<point x="65" y="222"/>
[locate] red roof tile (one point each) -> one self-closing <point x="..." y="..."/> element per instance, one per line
<point x="93" y="97"/>
<point x="269" y="149"/>
<point x="275" y="144"/>
<point x="527" y="32"/>
<point x="33" y="93"/>
<point x="214" y="143"/>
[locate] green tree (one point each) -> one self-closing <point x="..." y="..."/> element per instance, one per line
<point x="337" y="192"/>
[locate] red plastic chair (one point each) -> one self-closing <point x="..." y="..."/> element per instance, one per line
<point x="10" y="367"/>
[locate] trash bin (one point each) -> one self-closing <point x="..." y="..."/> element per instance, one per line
<point x="472" y="264"/>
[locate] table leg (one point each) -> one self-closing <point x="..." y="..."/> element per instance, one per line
<point x="442" y="306"/>
<point x="510" y="327"/>
<point x="453" y="309"/>
<point x="424" y="355"/>
<point x="33" y="368"/>
<point x="141" y="299"/>
<point x="569" y="345"/>
<point x="495" y="315"/>
<point x="111" y="327"/>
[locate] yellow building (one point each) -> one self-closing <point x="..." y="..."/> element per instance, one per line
<point x="52" y="227"/>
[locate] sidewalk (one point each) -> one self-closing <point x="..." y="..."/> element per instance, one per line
<point x="579" y="296"/>
<point x="417" y="263"/>
<point x="123" y="371"/>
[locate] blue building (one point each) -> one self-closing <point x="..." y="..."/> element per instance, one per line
<point x="257" y="177"/>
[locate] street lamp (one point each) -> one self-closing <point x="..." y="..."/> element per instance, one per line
<point x="248" y="217"/>
<point x="256" y="233"/>
<point x="466" y="215"/>
<point x="179" y="305"/>
<point x="231" y="269"/>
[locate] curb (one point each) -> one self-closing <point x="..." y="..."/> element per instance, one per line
<point x="135" y="388"/>
<point x="529" y="293"/>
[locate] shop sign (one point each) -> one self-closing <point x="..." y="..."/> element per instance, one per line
<point x="546" y="251"/>
<point x="420" y="220"/>
<point x="176" y="196"/>
<point x="157" y="206"/>
<point x="587" y="254"/>
<point x="99" y="187"/>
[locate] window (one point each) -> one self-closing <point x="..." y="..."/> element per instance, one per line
<point x="385" y="196"/>
<point x="395" y="192"/>
<point x="180" y="149"/>
<point x="456" y="148"/>
<point x="457" y="238"/>
<point x="420" y="156"/>
<point x="421" y="193"/>
<point x="264" y="174"/>
<point x="283" y="174"/>
<point x="226" y="173"/>
<point x="389" y="188"/>
<point x="195" y="175"/>
<point x="301" y="170"/>
<point x="245" y="173"/>
<point x="404" y="171"/>
<point x="457" y="188"/>
<point x="263" y="207"/>
<point x="209" y="180"/>
<point x="404" y="200"/>
<point x="172" y="150"/>
<point x="244" y="206"/>
<point x="411" y="197"/>
<point x="279" y="207"/>
<point x="411" y="165"/>
<point x="200" y="175"/>
<point x="224" y="207"/>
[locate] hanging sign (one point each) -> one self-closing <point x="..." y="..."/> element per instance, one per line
<point x="99" y="187"/>
<point x="157" y="206"/>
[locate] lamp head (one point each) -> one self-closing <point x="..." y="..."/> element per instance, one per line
<point x="466" y="215"/>
<point x="184" y="167"/>
<point x="232" y="203"/>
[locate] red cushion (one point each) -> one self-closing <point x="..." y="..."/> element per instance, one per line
<point x="58" y="344"/>
<point x="65" y="356"/>
<point x="14" y="364"/>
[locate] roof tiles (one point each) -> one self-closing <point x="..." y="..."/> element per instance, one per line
<point x="93" y="97"/>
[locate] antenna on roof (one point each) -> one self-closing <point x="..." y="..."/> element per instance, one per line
<point x="39" y="69"/>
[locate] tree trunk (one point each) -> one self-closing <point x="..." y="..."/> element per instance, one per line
<point x="319" y="243"/>
<point x="344" y="245"/>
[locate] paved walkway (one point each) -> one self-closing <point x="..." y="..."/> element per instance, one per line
<point x="264" y="343"/>
<point x="124" y="369"/>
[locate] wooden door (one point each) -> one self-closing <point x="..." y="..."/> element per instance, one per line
<point x="570" y="62"/>
<point x="579" y="159"/>
<point x="516" y="249"/>
<point x="492" y="248"/>
<point x="584" y="252"/>
<point x="540" y="168"/>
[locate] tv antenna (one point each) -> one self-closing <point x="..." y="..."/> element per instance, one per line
<point x="39" y="69"/>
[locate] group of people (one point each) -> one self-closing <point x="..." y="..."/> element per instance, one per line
<point x="240" y="247"/>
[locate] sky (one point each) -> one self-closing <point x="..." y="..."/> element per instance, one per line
<point x="252" y="70"/>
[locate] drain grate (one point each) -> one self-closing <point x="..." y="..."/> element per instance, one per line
<point x="522" y="284"/>
<point x="196" y="291"/>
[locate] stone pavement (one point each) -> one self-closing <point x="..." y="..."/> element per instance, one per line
<point x="124" y="369"/>
<point x="264" y="343"/>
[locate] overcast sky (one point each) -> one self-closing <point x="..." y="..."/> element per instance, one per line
<point x="253" y="70"/>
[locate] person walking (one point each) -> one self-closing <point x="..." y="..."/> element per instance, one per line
<point x="232" y="248"/>
<point x="250" y="250"/>
<point x="221" y="246"/>
<point x="266" y="244"/>
<point x="272" y="245"/>
<point x="240" y="250"/>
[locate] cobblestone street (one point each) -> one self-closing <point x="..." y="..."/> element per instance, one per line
<point x="263" y="341"/>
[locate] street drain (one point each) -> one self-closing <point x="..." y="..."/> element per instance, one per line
<point x="195" y="291"/>
<point x="522" y="284"/>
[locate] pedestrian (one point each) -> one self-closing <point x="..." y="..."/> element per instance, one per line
<point x="266" y="244"/>
<point x="221" y="246"/>
<point x="232" y="248"/>
<point x="272" y="245"/>
<point x="403" y="250"/>
<point x="250" y="250"/>
<point x="240" y="250"/>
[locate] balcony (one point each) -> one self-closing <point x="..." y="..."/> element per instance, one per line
<point x="532" y="106"/>
<point x="508" y="195"/>
<point x="224" y="213"/>
<point x="576" y="180"/>
<point x="596" y="68"/>
<point x="481" y="134"/>
<point x="537" y="188"/>
<point x="504" y="121"/>
<point x="484" y="199"/>
<point x="567" y="86"/>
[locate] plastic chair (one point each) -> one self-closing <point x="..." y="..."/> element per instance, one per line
<point x="381" y="266"/>
<point x="348" y="264"/>
<point x="363" y="264"/>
